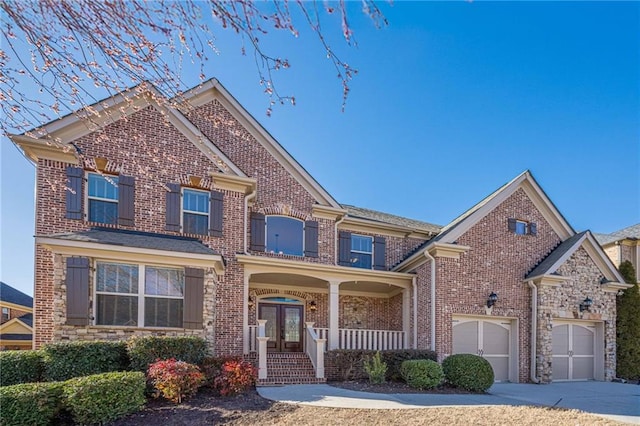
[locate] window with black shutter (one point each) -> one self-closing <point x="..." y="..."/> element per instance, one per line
<point x="194" y="211"/>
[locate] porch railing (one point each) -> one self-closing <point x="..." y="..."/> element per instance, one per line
<point x="314" y="347"/>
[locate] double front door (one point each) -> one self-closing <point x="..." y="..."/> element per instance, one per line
<point x="283" y="327"/>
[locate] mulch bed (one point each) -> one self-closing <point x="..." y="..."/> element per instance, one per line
<point x="394" y="387"/>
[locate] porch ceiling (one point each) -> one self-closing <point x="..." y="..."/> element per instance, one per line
<point x="317" y="285"/>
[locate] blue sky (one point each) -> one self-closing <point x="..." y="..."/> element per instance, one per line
<point x="451" y="101"/>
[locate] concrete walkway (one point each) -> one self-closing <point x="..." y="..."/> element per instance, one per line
<point x="612" y="400"/>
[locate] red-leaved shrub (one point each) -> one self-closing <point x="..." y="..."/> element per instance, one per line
<point x="235" y="377"/>
<point x="174" y="380"/>
<point x="211" y="367"/>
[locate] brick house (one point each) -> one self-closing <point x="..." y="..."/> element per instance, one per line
<point x="193" y="220"/>
<point x="16" y="322"/>
<point x="623" y="245"/>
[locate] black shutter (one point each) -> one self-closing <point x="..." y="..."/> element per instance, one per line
<point x="74" y="193"/>
<point x="173" y="208"/>
<point x="311" y="238"/>
<point x="215" y="214"/>
<point x="533" y="228"/>
<point x="126" y="200"/>
<point x="193" y="298"/>
<point x="344" y="248"/>
<point x="379" y="253"/>
<point x="257" y="231"/>
<point x="512" y="225"/>
<point x="77" y="281"/>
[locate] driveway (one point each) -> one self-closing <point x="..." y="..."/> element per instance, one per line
<point x="613" y="400"/>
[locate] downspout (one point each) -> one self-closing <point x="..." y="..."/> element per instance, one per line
<point x="247" y="197"/>
<point x="414" y="284"/>
<point x="534" y="330"/>
<point x="433" y="299"/>
<point x="335" y="239"/>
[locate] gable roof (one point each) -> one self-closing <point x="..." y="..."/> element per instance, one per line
<point x="377" y="216"/>
<point x="79" y="123"/>
<point x="525" y="180"/>
<point x="213" y="89"/>
<point x="11" y="295"/>
<point x="26" y="319"/>
<point x="630" y="232"/>
<point x="555" y="259"/>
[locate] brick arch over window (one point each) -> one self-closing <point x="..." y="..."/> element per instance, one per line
<point x="284" y="210"/>
<point x="102" y="164"/>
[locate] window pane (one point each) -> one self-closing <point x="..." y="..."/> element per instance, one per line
<point x="164" y="282"/>
<point x="284" y="235"/>
<point x="117" y="278"/>
<point x="195" y="201"/>
<point x="102" y="187"/>
<point x="196" y="224"/>
<point x="361" y="260"/>
<point x="160" y="312"/>
<point x="521" y="228"/>
<point x="361" y="243"/>
<point x="103" y="211"/>
<point x="117" y="310"/>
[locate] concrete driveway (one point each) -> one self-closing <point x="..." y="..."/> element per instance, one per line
<point x="612" y="400"/>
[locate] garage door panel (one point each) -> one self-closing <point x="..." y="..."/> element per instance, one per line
<point x="500" y="367"/>
<point x="560" y="368"/>
<point x="495" y="339"/>
<point x="574" y="351"/>
<point x="560" y="336"/>
<point x="582" y="368"/>
<point x="582" y="340"/>
<point x="465" y="338"/>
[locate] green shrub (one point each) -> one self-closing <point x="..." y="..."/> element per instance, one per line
<point x="467" y="371"/>
<point x="422" y="373"/>
<point x="175" y="380"/>
<point x="104" y="397"/>
<point x="74" y="359"/>
<point x="396" y="357"/>
<point x="375" y="368"/>
<point x="211" y="367"/>
<point x="21" y="367"/>
<point x="144" y="351"/>
<point x="348" y="364"/>
<point x="236" y="377"/>
<point x="30" y="403"/>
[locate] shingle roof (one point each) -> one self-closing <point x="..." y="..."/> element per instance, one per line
<point x="632" y="232"/>
<point x="564" y="247"/>
<point x="377" y="216"/>
<point x="15" y="336"/>
<point x="147" y="240"/>
<point x="27" y="319"/>
<point x="11" y="295"/>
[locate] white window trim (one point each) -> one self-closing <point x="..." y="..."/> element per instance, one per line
<point x="140" y="294"/>
<point x="183" y="211"/>
<point x="116" y="201"/>
<point x="351" y="250"/>
<point x="266" y="234"/>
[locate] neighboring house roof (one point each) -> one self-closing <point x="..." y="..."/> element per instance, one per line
<point x="145" y="240"/>
<point x="11" y="295"/>
<point x="15" y="336"/>
<point x="362" y="213"/>
<point x="631" y="232"/>
<point x="26" y="319"/>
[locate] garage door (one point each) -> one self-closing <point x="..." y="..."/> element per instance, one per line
<point x="573" y="351"/>
<point x="490" y="339"/>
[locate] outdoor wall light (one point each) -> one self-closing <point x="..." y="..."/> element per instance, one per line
<point x="313" y="306"/>
<point x="493" y="298"/>
<point x="586" y="304"/>
<point x="251" y="302"/>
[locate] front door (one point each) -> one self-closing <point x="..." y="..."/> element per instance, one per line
<point x="283" y="327"/>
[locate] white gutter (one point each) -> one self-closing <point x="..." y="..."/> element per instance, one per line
<point x="534" y="330"/>
<point x="415" y="312"/>
<point x="433" y="300"/>
<point x="251" y="195"/>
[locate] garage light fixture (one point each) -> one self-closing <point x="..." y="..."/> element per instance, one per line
<point x="586" y="304"/>
<point x="493" y="298"/>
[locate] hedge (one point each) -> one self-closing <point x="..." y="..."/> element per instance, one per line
<point x="30" y="403"/>
<point x="21" y="367"/>
<point x="422" y="373"/>
<point x="146" y="350"/>
<point x="74" y="359"/>
<point x="104" y="397"/>
<point x="348" y="364"/>
<point x="467" y="371"/>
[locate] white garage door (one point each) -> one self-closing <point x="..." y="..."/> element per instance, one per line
<point x="490" y="339"/>
<point x="573" y="351"/>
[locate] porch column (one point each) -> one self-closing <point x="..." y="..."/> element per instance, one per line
<point x="334" y="320"/>
<point x="406" y="316"/>
<point x="245" y="314"/>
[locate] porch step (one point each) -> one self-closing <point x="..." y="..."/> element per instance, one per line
<point x="289" y="368"/>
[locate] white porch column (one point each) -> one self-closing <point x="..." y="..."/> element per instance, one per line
<point x="245" y="314"/>
<point x="334" y="318"/>
<point x="262" y="357"/>
<point x="406" y="316"/>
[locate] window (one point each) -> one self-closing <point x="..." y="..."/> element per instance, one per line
<point x="139" y="295"/>
<point x="361" y="251"/>
<point x="285" y="235"/>
<point x="521" y="227"/>
<point x="195" y="212"/>
<point x="5" y="314"/>
<point x="103" y="198"/>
